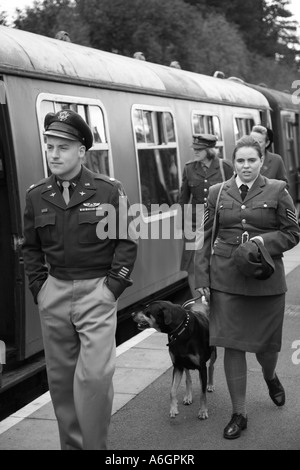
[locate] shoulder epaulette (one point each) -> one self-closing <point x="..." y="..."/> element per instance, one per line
<point x="107" y="179"/>
<point x="35" y="185"/>
<point x="275" y="182"/>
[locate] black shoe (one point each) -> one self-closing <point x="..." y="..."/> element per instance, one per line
<point x="235" y="426"/>
<point x="276" y="391"/>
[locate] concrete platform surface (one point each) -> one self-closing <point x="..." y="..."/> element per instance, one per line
<point x="142" y="381"/>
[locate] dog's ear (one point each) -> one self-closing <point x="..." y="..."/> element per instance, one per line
<point x="167" y="315"/>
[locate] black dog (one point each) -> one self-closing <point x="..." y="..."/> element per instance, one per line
<point x="189" y="348"/>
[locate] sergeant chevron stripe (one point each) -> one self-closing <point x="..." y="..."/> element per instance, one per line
<point x="123" y="272"/>
<point x="206" y="216"/>
<point x="291" y="215"/>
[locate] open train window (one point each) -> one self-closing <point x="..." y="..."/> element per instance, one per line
<point x="97" y="158"/>
<point x="207" y="124"/>
<point x="242" y="126"/>
<point x="157" y="156"/>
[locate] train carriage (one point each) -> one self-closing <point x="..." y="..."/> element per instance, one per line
<point x="285" y="110"/>
<point x="143" y="116"/>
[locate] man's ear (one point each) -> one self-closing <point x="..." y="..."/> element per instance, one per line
<point x="82" y="151"/>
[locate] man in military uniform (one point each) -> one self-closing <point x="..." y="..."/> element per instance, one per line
<point x="76" y="275"/>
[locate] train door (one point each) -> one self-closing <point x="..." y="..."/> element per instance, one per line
<point x="7" y="255"/>
<point x="290" y="121"/>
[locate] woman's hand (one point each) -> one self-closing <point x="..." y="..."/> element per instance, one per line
<point x="204" y="292"/>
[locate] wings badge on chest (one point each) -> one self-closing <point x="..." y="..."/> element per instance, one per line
<point x="90" y="206"/>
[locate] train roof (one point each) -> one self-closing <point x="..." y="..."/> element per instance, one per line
<point x="279" y="99"/>
<point x="24" y="53"/>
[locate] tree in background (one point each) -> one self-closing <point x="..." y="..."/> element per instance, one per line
<point x="251" y="39"/>
<point x="266" y="26"/>
<point x="47" y="17"/>
<point x="3" y="17"/>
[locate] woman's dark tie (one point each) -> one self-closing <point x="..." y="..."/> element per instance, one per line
<point x="244" y="189"/>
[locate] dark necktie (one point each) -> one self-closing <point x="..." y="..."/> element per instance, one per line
<point x="244" y="189"/>
<point x="66" y="194"/>
<point x="204" y="168"/>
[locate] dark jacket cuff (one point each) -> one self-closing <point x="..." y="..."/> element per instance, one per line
<point x="117" y="286"/>
<point x="35" y="289"/>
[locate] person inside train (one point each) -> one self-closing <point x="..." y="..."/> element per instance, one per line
<point x="273" y="164"/>
<point x="242" y="273"/>
<point x="77" y="295"/>
<point x="199" y="174"/>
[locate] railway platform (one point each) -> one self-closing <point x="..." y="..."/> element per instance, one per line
<point x="140" y="419"/>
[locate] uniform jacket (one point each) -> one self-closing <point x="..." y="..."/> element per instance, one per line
<point x="196" y="183"/>
<point x="67" y="237"/>
<point x="273" y="167"/>
<point x="267" y="211"/>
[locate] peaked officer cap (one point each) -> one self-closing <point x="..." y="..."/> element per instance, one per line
<point x="254" y="260"/>
<point x="204" y="141"/>
<point x="69" y="125"/>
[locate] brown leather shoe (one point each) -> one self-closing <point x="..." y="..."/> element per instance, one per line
<point x="276" y="391"/>
<point x="235" y="426"/>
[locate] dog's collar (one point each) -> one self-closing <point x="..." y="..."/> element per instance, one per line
<point x="181" y="327"/>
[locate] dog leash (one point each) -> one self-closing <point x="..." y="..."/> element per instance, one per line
<point x="215" y="221"/>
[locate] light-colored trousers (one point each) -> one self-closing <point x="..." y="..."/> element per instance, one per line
<point x="78" y="320"/>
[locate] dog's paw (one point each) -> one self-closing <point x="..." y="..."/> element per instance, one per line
<point x="203" y="413"/>
<point x="173" y="412"/>
<point x="210" y="388"/>
<point x="173" y="408"/>
<point x="187" y="399"/>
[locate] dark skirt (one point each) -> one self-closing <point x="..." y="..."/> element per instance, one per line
<point x="246" y="323"/>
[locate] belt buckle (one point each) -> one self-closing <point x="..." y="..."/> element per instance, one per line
<point x="245" y="237"/>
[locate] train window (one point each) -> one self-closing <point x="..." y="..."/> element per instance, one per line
<point x="169" y="127"/>
<point x="205" y="124"/>
<point x="198" y="124"/>
<point x="290" y="131"/>
<point x="157" y="154"/>
<point x="143" y="126"/>
<point x="242" y="126"/>
<point x="97" y="157"/>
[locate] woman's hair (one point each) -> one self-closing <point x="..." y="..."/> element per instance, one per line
<point x="211" y="153"/>
<point x="260" y="130"/>
<point x="267" y="132"/>
<point x="247" y="141"/>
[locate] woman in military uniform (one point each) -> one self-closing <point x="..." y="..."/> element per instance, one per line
<point x="198" y="175"/>
<point x="243" y="273"/>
